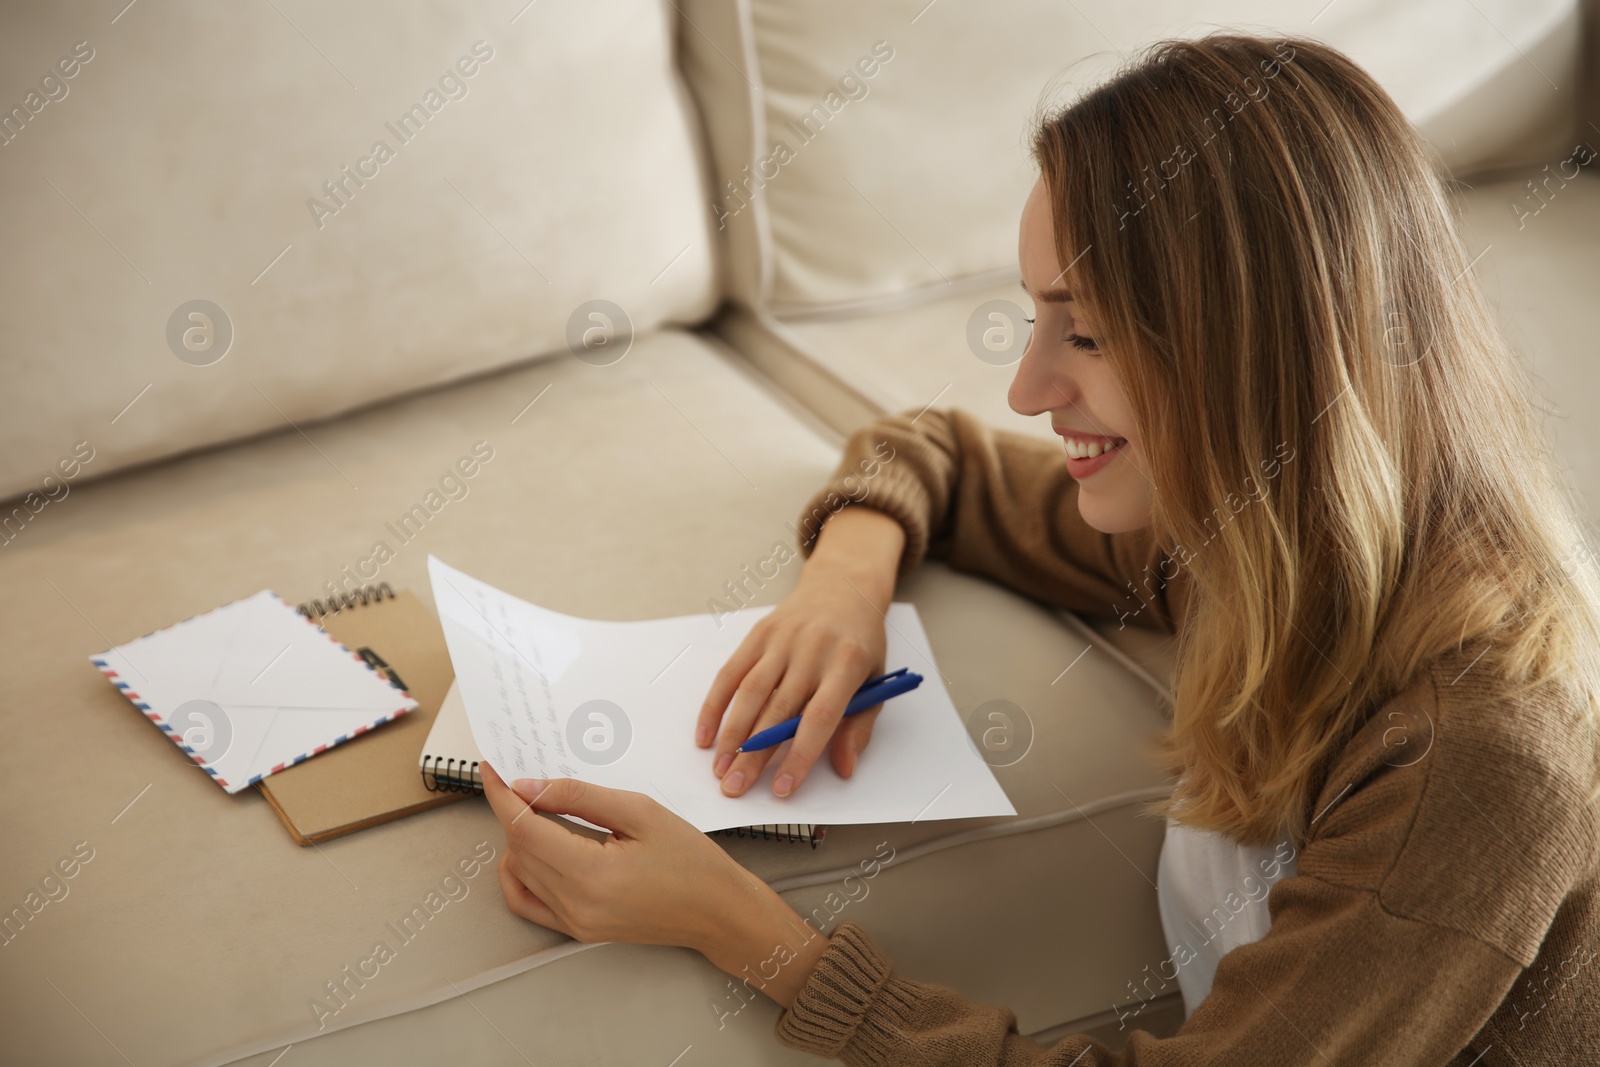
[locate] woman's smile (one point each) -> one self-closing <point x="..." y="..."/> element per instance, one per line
<point x="1088" y="453"/>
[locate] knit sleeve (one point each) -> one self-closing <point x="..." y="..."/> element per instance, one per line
<point x="1428" y="885"/>
<point x="1337" y="980"/>
<point x="998" y="504"/>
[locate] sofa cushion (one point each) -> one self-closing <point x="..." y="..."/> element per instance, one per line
<point x="901" y="358"/>
<point x="1539" y="234"/>
<point x="893" y="130"/>
<point x="535" y="160"/>
<point x="633" y="490"/>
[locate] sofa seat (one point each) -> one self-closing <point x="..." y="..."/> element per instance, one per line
<point x="199" y="933"/>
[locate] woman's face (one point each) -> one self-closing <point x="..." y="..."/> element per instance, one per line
<point x="1064" y="375"/>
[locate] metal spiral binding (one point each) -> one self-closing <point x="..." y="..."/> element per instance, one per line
<point x="440" y="775"/>
<point x="316" y="609"/>
<point x="790" y="832"/>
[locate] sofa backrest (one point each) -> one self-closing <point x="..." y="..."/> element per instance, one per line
<point x="370" y="198"/>
<point x="869" y="153"/>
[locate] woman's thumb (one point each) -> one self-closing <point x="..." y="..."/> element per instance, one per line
<point x="529" y="788"/>
<point x="597" y="804"/>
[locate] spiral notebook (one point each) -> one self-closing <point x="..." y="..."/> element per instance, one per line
<point x="372" y="779"/>
<point x="376" y="779"/>
<point x="450" y="761"/>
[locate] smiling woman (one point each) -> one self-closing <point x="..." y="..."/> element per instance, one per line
<point x="1382" y="662"/>
<point x="1388" y="665"/>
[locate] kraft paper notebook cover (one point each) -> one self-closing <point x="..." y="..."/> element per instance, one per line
<point x="371" y="779"/>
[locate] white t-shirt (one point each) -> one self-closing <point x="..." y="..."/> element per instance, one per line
<point x="1213" y="896"/>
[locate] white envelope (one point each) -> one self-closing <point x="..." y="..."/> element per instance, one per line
<point x="251" y="687"/>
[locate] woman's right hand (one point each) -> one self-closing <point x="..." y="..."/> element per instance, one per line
<point x="808" y="656"/>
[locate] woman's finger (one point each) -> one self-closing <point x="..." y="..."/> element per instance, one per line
<point x="507" y="806"/>
<point x="545" y="852"/>
<point x="822" y="718"/>
<point x="513" y="812"/>
<point x="622" y="811"/>
<point x="752" y="695"/>
<point x="726" y="683"/>
<point x="523" y="902"/>
<point x="850" y="739"/>
<point x="791" y="694"/>
<point x="544" y="879"/>
<point x="549" y="852"/>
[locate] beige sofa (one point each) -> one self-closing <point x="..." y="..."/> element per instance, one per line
<point x="371" y="315"/>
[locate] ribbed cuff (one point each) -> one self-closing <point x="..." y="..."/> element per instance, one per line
<point x="898" y="495"/>
<point x="837" y="995"/>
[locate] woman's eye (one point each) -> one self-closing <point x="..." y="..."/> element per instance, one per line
<point x="1087" y="344"/>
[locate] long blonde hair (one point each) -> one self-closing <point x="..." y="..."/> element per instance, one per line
<point x="1270" y="254"/>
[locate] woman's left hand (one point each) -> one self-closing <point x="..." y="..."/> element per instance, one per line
<point x="656" y="880"/>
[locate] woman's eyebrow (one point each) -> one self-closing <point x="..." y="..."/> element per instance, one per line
<point x="1050" y="296"/>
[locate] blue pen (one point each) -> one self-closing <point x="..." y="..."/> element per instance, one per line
<point x="873" y="691"/>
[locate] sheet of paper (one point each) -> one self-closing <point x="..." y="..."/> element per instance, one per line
<point x="251" y="687"/>
<point x="614" y="703"/>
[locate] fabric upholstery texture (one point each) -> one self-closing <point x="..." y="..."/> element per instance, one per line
<point x="822" y="115"/>
<point x="183" y="162"/>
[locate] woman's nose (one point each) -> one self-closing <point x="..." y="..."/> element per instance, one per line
<point x="1039" y="385"/>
